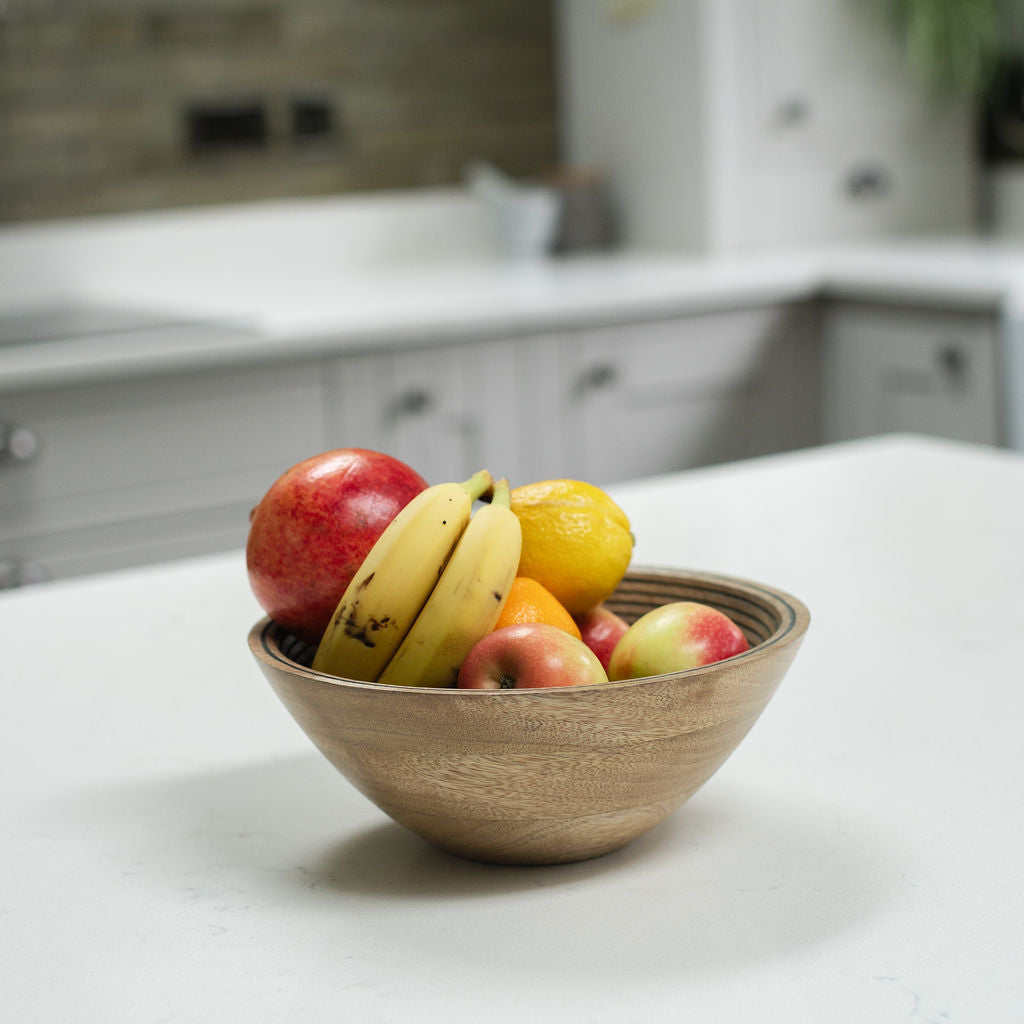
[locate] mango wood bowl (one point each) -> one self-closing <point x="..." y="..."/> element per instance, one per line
<point x="555" y="775"/>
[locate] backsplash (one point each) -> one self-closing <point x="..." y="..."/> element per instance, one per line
<point x="121" y="105"/>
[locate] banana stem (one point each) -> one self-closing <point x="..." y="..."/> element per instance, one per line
<point x="479" y="484"/>
<point x="501" y="493"/>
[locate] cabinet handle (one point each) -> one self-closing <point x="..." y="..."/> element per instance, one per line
<point x="953" y="361"/>
<point x="17" y="443"/>
<point x="868" y="182"/>
<point x="594" y="378"/>
<point x="412" y="403"/>
<point x="793" y="111"/>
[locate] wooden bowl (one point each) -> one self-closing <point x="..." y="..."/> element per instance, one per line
<point x="554" y="775"/>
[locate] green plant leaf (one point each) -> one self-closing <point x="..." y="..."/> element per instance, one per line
<point x="952" y="45"/>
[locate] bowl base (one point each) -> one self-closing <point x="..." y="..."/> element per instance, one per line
<point x="536" y="842"/>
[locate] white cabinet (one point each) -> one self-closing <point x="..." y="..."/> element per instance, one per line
<point x="600" y="403"/>
<point x="841" y="141"/>
<point x="899" y="368"/>
<point x="650" y="397"/>
<point x="728" y="124"/>
<point x="445" y="409"/>
<point x="128" y="471"/>
<point x="131" y="471"/>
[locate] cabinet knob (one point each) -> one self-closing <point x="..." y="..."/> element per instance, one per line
<point x="15" y="572"/>
<point x="953" y="361"/>
<point x="596" y="377"/>
<point x="17" y="443"/>
<point x="793" y="111"/>
<point x="869" y="181"/>
<point x="414" y="402"/>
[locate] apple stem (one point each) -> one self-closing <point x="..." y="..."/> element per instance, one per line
<point x="479" y="484"/>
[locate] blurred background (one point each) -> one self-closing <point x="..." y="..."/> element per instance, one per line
<point x="117" y="105"/>
<point x="124" y="105"/>
<point x="590" y="238"/>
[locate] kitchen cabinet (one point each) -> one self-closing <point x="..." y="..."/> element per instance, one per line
<point x="731" y="124"/>
<point x="838" y="141"/>
<point x="902" y="368"/>
<point x="602" y="403"/>
<point x="447" y="409"/>
<point x="650" y="397"/>
<point x="133" y="469"/>
<point x="136" y="470"/>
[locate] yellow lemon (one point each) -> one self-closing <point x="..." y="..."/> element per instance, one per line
<point x="576" y="541"/>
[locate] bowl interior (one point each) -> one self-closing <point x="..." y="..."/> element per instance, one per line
<point x="765" y="614"/>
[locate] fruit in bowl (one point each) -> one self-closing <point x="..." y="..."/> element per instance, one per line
<point x="543" y="776"/>
<point x="530" y="601"/>
<point x="596" y="706"/>
<point x="601" y="630"/>
<point x="433" y="584"/>
<point x="314" y="527"/>
<point x="577" y="542"/>
<point x="530" y="655"/>
<point x="674" y="637"/>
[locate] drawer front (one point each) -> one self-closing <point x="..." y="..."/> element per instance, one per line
<point x="891" y="369"/>
<point x="669" y="395"/>
<point x="106" y="456"/>
<point x="102" y="547"/>
<point x="866" y="196"/>
<point x="447" y="410"/>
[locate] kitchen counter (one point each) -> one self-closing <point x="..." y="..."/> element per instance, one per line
<point x="304" y="312"/>
<point x="275" y="280"/>
<point x="174" y="849"/>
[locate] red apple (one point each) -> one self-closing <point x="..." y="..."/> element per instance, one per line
<point x="311" y="531"/>
<point x="676" y="636"/>
<point x="601" y="629"/>
<point x="529" y="655"/>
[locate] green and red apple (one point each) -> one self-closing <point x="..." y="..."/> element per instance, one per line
<point x="676" y="636"/>
<point x="529" y="655"/>
<point x="601" y="629"/>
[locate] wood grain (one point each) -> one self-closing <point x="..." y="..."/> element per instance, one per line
<point x="547" y="776"/>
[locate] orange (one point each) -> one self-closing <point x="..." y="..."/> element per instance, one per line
<point x="530" y="601"/>
<point x="576" y="541"/>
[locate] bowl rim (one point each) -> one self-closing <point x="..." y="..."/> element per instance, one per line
<point x="794" y="620"/>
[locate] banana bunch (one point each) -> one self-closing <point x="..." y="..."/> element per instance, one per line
<point x="433" y="584"/>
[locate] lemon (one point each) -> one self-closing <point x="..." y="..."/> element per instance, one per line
<point x="576" y="541"/>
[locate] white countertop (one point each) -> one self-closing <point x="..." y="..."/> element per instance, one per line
<point x="290" y="313"/>
<point x="303" y="277"/>
<point x="174" y="849"/>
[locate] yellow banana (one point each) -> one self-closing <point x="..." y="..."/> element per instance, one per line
<point x="467" y="600"/>
<point x="395" y="580"/>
